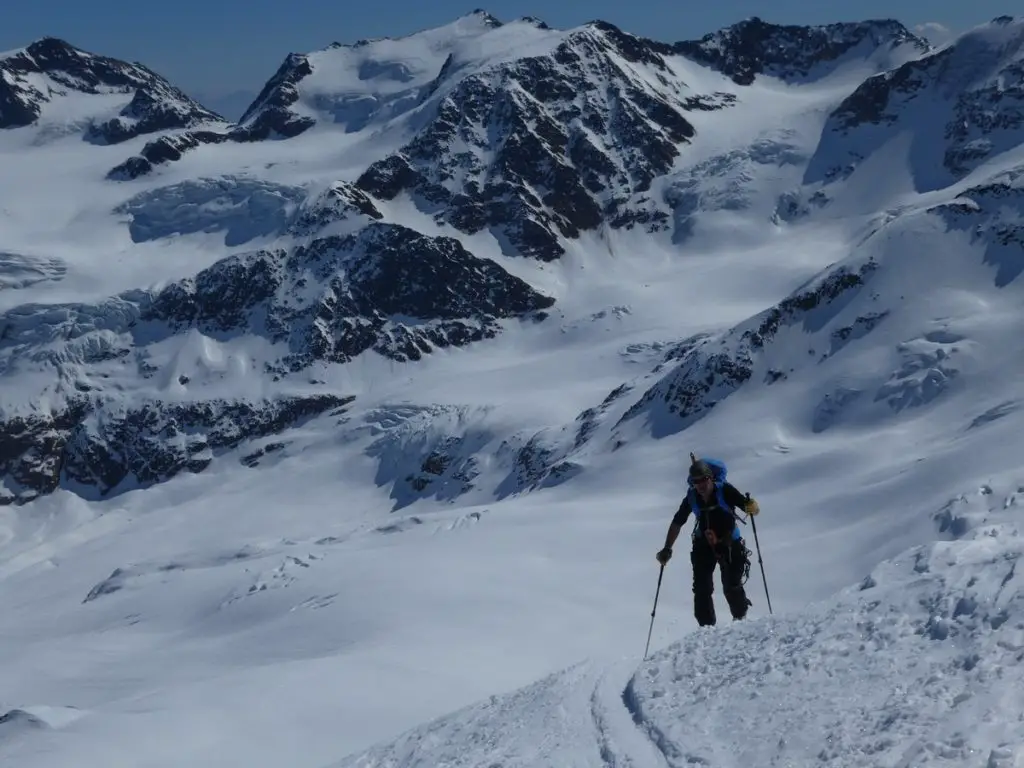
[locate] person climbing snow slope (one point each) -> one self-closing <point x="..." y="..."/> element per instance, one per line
<point x="716" y="538"/>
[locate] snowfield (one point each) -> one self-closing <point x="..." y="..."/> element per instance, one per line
<point x="303" y="469"/>
<point x="917" y="665"/>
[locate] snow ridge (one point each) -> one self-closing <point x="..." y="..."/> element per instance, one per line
<point x="35" y="81"/>
<point x="896" y="669"/>
<point x="401" y="373"/>
<point x="796" y="53"/>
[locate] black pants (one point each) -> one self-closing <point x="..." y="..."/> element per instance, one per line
<point x="733" y="560"/>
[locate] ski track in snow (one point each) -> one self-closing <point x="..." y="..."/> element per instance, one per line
<point x="577" y="717"/>
<point x="898" y="671"/>
<point x="336" y="599"/>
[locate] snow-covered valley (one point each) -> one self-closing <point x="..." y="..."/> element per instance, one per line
<point x="346" y="435"/>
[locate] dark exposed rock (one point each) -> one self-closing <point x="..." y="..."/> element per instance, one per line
<point x="796" y="204"/>
<point x="100" y="445"/>
<point x="537" y="150"/>
<point x="986" y="120"/>
<point x="385" y="288"/>
<point x="790" y="52"/>
<point x="18" y="105"/>
<point x="992" y="213"/>
<point x="32" y="451"/>
<point x="156" y="105"/>
<point x="838" y="283"/>
<point x="532" y="464"/>
<point x="862" y="326"/>
<point x="590" y="419"/>
<point x="219" y="299"/>
<point x="366" y="283"/>
<point x="974" y="92"/>
<point x="156" y="441"/>
<point x="878" y="98"/>
<point x="699" y="382"/>
<point x="166" y="149"/>
<point x="270" y="116"/>
<point x="253" y="459"/>
<point x="709" y="369"/>
<point x="571" y="137"/>
<point x="340" y="202"/>
<point x="545" y="459"/>
<point x="636" y="50"/>
<point x="14" y="720"/>
<point x="445" y="472"/>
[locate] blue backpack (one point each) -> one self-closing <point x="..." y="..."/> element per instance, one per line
<point x="719" y="472"/>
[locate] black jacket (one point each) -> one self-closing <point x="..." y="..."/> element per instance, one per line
<point x="722" y="521"/>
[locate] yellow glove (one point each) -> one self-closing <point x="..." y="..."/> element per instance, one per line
<point x="751" y="507"/>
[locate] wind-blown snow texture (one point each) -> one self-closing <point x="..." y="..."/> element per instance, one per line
<point x="352" y="428"/>
<point x="919" y="664"/>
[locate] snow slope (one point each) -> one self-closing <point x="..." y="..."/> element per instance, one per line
<point x="448" y="557"/>
<point x="919" y="664"/>
<point x="366" y="84"/>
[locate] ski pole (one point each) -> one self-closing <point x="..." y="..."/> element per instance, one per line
<point x="753" y="524"/>
<point x="653" y="610"/>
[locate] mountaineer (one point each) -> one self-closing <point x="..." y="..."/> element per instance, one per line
<point x="716" y="538"/>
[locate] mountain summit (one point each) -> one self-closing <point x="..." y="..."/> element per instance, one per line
<point x="110" y="100"/>
<point x="365" y="83"/>
<point x="796" y="53"/>
<point x="974" y="92"/>
<point x="306" y="419"/>
<point x="457" y="149"/>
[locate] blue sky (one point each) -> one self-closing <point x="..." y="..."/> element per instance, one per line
<point x="212" y="47"/>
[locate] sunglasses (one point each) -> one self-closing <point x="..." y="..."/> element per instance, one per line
<point x="701" y="480"/>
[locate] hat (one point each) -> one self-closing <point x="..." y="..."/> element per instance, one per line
<point x="699" y="469"/>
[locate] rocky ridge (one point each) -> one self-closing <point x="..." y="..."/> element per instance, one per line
<point x="49" y="69"/>
<point x="974" y="92"/>
<point x="386" y="289"/>
<point x="536" y="149"/>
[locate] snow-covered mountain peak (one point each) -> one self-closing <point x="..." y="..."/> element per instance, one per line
<point x="398" y="88"/>
<point x="941" y="115"/>
<point x="798" y="53"/>
<point x="372" y="81"/>
<point x="347" y="414"/>
<point x="548" y="135"/>
<point x="469" y="25"/>
<point x="65" y="89"/>
<point x="983" y="53"/>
